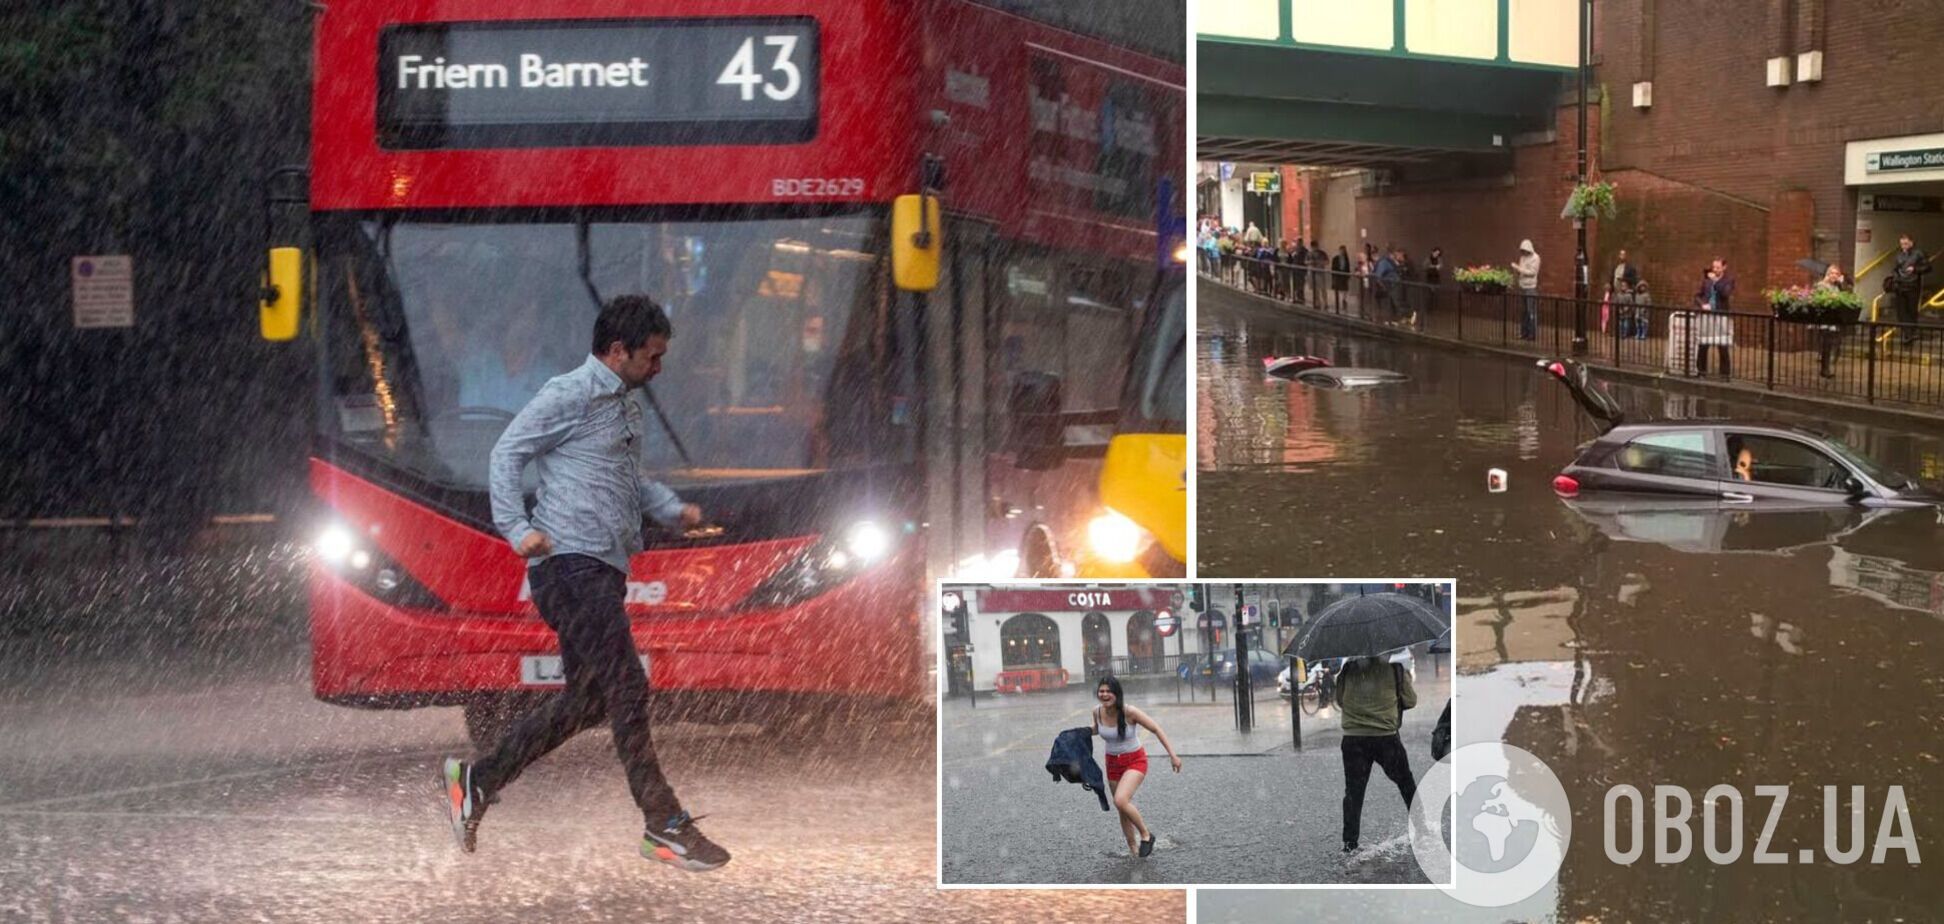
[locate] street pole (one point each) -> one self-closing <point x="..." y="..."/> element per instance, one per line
<point x="1244" y="699"/>
<point x="1295" y="706"/>
<point x="1580" y="275"/>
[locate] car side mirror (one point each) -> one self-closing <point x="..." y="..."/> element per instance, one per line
<point x="1037" y="438"/>
<point x="1855" y="487"/>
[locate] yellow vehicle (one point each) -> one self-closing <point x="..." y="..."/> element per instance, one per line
<point x="1131" y="520"/>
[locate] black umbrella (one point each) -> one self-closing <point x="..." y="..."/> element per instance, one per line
<point x="1814" y="266"/>
<point x="1368" y="626"/>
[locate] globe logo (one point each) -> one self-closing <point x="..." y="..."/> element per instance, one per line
<point x="1487" y="828"/>
<point x="1498" y="812"/>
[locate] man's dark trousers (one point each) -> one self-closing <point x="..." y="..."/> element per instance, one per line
<point x="582" y="599"/>
<point x="1359" y="752"/>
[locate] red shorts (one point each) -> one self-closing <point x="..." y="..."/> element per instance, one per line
<point x="1118" y="764"/>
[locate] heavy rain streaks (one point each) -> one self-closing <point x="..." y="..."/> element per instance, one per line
<point x="1631" y="646"/>
<point x="165" y="757"/>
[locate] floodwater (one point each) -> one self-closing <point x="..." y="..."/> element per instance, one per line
<point x="1797" y="649"/>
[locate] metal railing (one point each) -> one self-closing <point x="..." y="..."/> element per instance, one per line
<point x="1864" y="360"/>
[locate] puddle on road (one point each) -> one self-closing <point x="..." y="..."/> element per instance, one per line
<point x="1620" y="647"/>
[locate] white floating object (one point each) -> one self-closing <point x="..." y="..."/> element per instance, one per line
<point x="1495" y="480"/>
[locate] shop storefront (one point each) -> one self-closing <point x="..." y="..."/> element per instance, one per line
<point x="1024" y="639"/>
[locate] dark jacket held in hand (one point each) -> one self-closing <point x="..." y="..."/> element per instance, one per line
<point x="1072" y="760"/>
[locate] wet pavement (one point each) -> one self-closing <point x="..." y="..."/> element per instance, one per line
<point x="1799" y="649"/>
<point x="183" y="772"/>
<point x="1246" y="807"/>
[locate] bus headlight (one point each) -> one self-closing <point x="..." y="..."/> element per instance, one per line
<point x="868" y="541"/>
<point x="335" y="545"/>
<point x="371" y="570"/>
<point x="1115" y="538"/>
<point x="828" y="562"/>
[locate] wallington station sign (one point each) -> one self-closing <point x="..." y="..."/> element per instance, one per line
<point x="1919" y="159"/>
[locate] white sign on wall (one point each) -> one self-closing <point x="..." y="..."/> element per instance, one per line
<point x="104" y="291"/>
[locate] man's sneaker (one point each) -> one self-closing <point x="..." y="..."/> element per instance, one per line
<point x="681" y="845"/>
<point x="464" y="802"/>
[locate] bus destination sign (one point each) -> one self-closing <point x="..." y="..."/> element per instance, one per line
<point x="598" y="83"/>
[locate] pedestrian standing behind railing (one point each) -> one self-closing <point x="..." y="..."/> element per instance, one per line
<point x="1298" y="260"/>
<point x="1829" y="336"/>
<point x="1319" y="262"/>
<point x="1643" y="306"/>
<point x="1621" y="286"/>
<point x="1906" y="280"/>
<point x="1433" y="280"/>
<point x="1527" y="270"/>
<point x="1363" y="282"/>
<point x="1384" y="283"/>
<point x="1340" y="274"/>
<point x="1714" y="328"/>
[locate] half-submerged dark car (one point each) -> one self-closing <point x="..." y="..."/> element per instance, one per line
<point x="1317" y="372"/>
<point x="1759" y="463"/>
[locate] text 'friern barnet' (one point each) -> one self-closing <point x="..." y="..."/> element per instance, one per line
<point x="414" y="72"/>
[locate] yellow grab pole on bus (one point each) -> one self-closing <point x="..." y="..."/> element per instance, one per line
<point x="915" y="242"/>
<point x="278" y="311"/>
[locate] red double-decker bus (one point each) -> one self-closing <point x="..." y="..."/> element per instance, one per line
<point x="481" y="181"/>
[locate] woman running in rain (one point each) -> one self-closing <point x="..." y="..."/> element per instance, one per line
<point x="1119" y="727"/>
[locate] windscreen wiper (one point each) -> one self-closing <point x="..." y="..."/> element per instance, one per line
<point x="586" y="254"/>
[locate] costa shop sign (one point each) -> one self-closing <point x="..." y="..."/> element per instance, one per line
<point x="1078" y="599"/>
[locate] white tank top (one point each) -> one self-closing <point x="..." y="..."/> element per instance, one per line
<point x="1116" y="744"/>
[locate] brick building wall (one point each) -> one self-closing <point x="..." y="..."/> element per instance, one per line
<point x="1298" y="217"/>
<point x="1717" y="129"/>
<point x="1720" y="165"/>
<point x="1482" y="219"/>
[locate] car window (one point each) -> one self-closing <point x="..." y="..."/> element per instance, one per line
<point x="1680" y="454"/>
<point x="1783" y="461"/>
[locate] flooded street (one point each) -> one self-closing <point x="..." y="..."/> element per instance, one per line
<point x="1685" y="648"/>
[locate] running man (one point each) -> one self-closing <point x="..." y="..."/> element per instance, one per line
<point x="584" y="435"/>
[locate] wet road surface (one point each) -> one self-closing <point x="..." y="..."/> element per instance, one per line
<point x="1643" y="648"/>
<point x="1246" y="808"/>
<point x="187" y="774"/>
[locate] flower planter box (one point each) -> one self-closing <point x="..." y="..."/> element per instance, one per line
<point x="1484" y="288"/>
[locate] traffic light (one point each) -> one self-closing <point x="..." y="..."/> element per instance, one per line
<point x="1195" y="598"/>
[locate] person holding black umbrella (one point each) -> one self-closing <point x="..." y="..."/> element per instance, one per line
<point x="1371" y="693"/>
<point x="1373" y="696"/>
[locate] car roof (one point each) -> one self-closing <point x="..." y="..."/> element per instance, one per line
<point x="1631" y="430"/>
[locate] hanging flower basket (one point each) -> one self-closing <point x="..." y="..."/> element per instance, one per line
<point x="1590" y="200"/>
<point x="1487" y="280"/>
<point x="1814" y="306"/>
